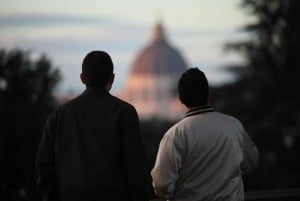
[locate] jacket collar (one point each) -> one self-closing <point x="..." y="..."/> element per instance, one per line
<point x="199" y="110"/>
<point x="100" y="90"/>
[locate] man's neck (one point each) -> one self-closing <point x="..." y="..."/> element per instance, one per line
<point x="196" y="107"/>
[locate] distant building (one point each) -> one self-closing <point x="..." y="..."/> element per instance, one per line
<point x="152" y="84"/>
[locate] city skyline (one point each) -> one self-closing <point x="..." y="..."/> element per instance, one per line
<point x="66" y="31"/>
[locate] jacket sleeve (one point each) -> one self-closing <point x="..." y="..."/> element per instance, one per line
<point x="167" y="166"/>
<point x="134" y="154"/>
<point x="45" y="167"/>
<point x="250" y="154"/>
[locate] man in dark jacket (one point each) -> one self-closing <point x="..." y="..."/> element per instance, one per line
<point x="92" y="148"/>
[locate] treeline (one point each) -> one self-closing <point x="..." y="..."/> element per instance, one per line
<point x="265" y="96"/>
<point x="26" y="99"/>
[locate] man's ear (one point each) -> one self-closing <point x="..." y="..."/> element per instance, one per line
<point x="82" y="78"/>
<point x="111" y="79"/>
<point x="108" y="86"/>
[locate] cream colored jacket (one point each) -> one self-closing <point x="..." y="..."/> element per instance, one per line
<point x="202" y="158"/>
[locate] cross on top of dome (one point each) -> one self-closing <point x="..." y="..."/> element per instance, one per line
<point x="159" y="33"/>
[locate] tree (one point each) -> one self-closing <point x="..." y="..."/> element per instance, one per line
<point x="26" y="98"/>
<point x="264" y="96"/>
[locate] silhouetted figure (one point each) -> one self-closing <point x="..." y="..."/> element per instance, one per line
<point x="92" y="148"/>
<point x="203" y="155"/>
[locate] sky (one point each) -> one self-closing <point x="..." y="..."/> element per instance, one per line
<point x="67" y="30"/>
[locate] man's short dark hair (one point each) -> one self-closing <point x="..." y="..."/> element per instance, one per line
<point x="97" y="67"/>
<point x="193" y="88"/>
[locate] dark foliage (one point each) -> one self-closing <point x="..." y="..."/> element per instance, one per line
<point x="265" y="95"/>
<point x="26" y="99"/>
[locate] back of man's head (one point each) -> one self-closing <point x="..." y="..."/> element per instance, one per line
<point x="97" y="68"/>
<point x="193" y="88"/>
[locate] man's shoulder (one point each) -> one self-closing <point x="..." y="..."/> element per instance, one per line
<point x="228" y="119"/>
<point x="177" y="129"/>
<point x="63" y="107"/>
<point x="228" y="116"/>
<point x="121" y="102"/>
<point x="210" y="118"/>
<point x="66" y="104"/>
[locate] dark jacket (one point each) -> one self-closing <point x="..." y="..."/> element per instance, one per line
<point x="92" y="149"/>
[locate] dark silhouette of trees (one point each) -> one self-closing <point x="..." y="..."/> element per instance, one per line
<point x="265" y="95"/>
<point x="26" y="99"/>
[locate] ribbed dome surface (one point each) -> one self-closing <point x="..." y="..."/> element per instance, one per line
<point x="159" y="58"/>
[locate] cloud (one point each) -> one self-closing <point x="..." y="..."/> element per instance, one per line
<point x="49" y="19"/>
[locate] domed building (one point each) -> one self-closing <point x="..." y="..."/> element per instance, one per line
<point x="152" y="84"/>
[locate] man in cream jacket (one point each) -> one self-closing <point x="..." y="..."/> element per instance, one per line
<point x="203" y="156"/>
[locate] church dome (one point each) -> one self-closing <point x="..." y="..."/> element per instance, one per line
<point x="151" y="85"/>
<point x="159" y="57"/>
